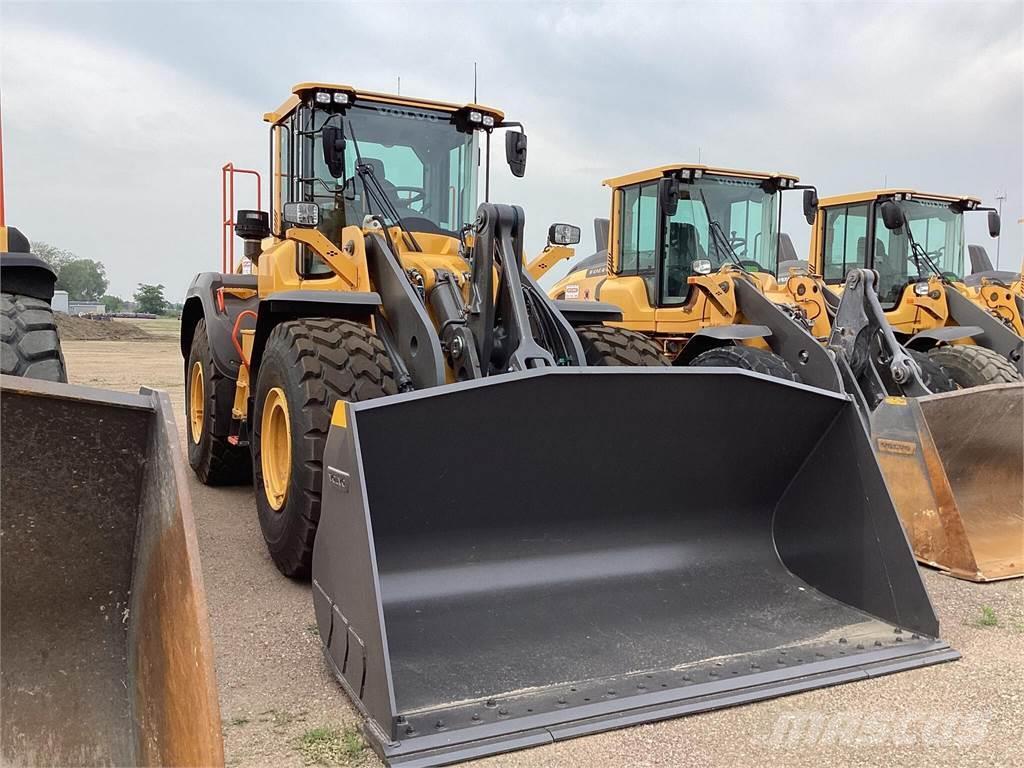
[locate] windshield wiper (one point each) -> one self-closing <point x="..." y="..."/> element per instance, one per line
<point x="375" y="191"/>
<point x="716" y="228"/>
<point x="919" y="252"/>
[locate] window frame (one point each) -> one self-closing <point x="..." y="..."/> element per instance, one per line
<point x="653" y="280"/>
<point x="869" y="244"/>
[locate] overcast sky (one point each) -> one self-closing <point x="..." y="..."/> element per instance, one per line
<point x="117" y="116"/>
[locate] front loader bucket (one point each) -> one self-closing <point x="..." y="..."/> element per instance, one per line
<point x="531" y="557"/>
<point x="105" y="654"/>
<point x="955" y="464"/>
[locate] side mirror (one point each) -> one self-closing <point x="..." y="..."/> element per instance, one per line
<point x="993" y="224"/>
<point x="515" y="152"/>
<point x="333" y="137"/>
<point x="810" y="205"/>
<point x="301" y="214"/>
<point x="668" y="196"/>
<point x="701" y="267"/>
<point x="892" y="216"/>
<point x="563" y="234"/>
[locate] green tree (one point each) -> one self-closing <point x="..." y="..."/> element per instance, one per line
<point x="83" y="279"/>
<point x="150" y="299"/>
<point x="113" y="303"/>
<point x="54" y="256"/>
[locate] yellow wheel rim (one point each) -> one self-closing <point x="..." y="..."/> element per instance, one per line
<point x="275" y="447"/>
<point x="196" y="401"/>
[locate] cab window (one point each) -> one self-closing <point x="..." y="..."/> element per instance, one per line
<point x="846" y="230"/>
<point x="638" y="245"/>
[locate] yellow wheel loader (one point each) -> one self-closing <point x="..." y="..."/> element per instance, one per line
<point x="492" y="568"/>
<point x="695" y="260"/>
<point x="915" y="242"/>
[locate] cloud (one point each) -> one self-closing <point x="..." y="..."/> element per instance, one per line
<point x="846" y="95"/>
<point x="117" y="158"/>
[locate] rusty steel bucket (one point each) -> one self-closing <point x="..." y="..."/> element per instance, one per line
<point x="105" y="649"/>
<point x="954" y="463"/>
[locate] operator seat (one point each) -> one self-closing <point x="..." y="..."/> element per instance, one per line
<point x="683" y="249"/>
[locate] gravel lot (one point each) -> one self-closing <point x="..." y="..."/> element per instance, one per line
<point x="277" y="696"/>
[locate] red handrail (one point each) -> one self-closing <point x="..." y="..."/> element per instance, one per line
<point x="227" y="211"/>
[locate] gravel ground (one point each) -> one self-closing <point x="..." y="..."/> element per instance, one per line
<point x="281" y="707"/>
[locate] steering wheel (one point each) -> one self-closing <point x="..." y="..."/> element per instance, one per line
<point x="738" y="244"/>
<point x="418" y="193"/>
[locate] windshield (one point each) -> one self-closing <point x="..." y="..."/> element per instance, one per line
<point x="725" y="221"/>
<point x="425" y="166"/>
<point x="936" y="228"/>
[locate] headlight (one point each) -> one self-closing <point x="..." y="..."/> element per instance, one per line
<point x="488" y="121"/>
<point x="697" y="173"/>
<point x="341" y="98"/>
<point x="475" y="117"/>
<point x="701" y="267"/>
<point x="323" y="97"/>
<point x="921" y="289"/>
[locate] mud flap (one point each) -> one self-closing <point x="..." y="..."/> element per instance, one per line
<point x="105" y="653"/>
<point x="955" y="464"/>
<point x="504" y="562"/>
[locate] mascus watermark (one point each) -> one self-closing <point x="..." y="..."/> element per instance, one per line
<point x="871" y="729"/>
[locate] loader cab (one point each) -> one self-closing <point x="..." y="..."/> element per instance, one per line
<point x="406" y="162"/>
<point x="671" y="224"/>
<point x="908" y="238"/>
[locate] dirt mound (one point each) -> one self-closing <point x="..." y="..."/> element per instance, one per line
<point x="72" y="328"/>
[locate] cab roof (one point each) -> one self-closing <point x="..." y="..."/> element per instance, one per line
<point x="301" y="90"/>
<point x="651" y="174"/>
<point x="875" y="194"/>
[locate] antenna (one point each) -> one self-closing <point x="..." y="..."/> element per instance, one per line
<point x="1000" y="197"/>
<point x="474" y="82"/>
<point x="399" y="85"/>
<point x="699" y="151"/>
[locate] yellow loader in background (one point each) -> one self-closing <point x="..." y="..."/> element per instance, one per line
<point x="695" y="260"/>
<point x="428" y="438"/>
<point x="915" y="242"/>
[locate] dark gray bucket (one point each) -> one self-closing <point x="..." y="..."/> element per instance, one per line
<point x="541" y="555"/>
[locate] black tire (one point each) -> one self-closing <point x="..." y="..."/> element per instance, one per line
<point x="933" y="375"/>
<point x="603" y="345"/>
<point x="972" y="366"/>
<point x="29" y="342"/>
<point x="315" y="362"/>
<point x="214" y="460"/>
<point x="747" y="358"/>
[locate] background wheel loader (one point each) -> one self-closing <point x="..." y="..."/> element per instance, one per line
<point x="915" y="242"/>
<point x="696" y="261"/>
<point x="486" y="574"/>
<point x="105" y="653"/>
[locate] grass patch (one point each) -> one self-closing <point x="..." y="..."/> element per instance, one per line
<point x="313" y="629"/>
<point x="237" y="721"/>
<point x="987" y="618"/>
<point x="332" y="746"/>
